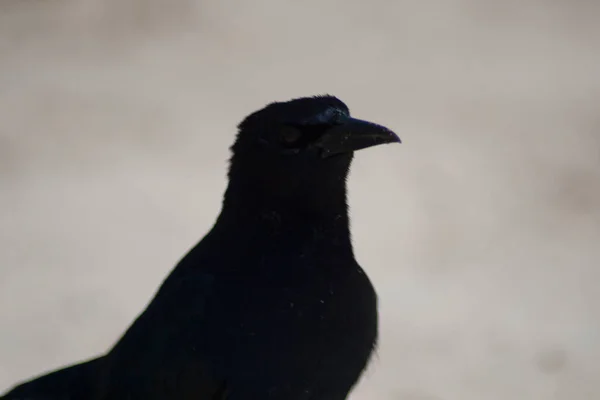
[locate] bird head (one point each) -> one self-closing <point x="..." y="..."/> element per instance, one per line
<point x="300" y="149"/>
<point x="316" y="127"/>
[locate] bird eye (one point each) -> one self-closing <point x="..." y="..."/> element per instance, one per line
<point x="290" y="134"/>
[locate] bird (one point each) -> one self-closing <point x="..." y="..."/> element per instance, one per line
<point x="271" y="303"/>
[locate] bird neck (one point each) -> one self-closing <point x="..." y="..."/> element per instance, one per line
<point x="314" y="198"/>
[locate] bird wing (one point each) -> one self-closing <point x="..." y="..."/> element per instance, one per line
<point x="161" y="355"/>
<point x="72" y="382"/>
<point x="156" y="358"/>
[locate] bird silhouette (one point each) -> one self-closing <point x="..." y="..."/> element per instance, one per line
<point x="271" y="303"/>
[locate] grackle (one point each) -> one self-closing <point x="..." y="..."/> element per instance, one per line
<point x="271" y="303"/>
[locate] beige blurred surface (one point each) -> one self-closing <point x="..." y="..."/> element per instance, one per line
<point x="481" y="231"/>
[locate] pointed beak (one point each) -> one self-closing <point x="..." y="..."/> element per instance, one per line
<point x="354" y="134"/>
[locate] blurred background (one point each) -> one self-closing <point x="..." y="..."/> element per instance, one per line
<point x="481" y="231"/>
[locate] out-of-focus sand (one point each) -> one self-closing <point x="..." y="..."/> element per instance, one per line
<point x="481" y="231"/>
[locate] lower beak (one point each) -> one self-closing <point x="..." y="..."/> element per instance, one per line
<point x="354" y="134"/>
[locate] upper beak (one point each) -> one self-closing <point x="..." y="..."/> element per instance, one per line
<point x="354" y="134"/>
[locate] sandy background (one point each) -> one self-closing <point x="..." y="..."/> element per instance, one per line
<point x="481" y="231"/>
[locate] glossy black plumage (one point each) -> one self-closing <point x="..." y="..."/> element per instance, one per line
<point x="271" y="303"/>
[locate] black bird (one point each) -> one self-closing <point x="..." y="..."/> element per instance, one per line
<point x="271" y="303"/>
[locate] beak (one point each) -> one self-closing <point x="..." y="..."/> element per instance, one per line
<point x="353" y="134"/>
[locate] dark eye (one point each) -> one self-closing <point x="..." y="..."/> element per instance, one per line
<point x="290" y="134"/>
